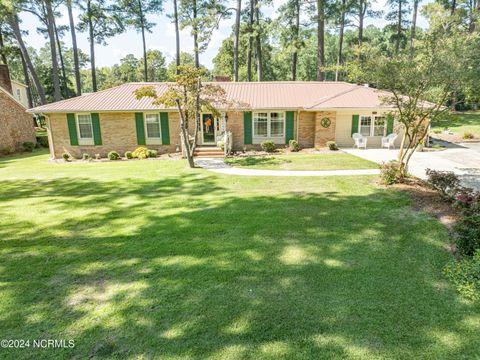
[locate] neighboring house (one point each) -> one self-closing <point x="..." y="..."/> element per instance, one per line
<point x="310" y="112"/>
<point x="16" y="125"/>
<point x="19" y="92"/>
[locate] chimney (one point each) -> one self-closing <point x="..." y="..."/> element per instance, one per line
<point x="222" y="79"/>
<point x="5" y="78"/>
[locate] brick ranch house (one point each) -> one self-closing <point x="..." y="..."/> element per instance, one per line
<point x="310" y="112"/>
<point x="16" y="125"/>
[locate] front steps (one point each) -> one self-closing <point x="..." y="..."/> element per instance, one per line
<point x="209" y="152"/>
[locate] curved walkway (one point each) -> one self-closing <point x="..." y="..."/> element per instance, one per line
<point x="217" y="165"/>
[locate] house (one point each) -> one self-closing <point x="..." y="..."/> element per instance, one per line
<point x="17" y="125"/>
<point x="310" y="112"/>
<point x="20" y="93"/>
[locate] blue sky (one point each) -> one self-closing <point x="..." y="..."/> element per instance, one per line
<point x="162" y="37"/>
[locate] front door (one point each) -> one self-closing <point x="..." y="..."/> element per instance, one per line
<point x="208" y="129"/>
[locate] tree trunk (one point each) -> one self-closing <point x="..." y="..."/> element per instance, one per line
<point x="297" y="40"/>
<point x="144" y="43"/>
<point x="78" y="80"/>
<point x="361" y="16"/>
<point x="177" y="35"/>
<point x="258" y="43"/>
<point x="53" y="51"/>
<point x="250" y="42"/>
<point x="399" y="27"/>
<point x="320" y="39"/>
<point x="27" y="81"/>
<point x="237" y="41"/>
<point x="13" y="22"/>
<point x="195" y="35"/>
<point x="62" y="64"/>
<point x="340" y="39"/>
<point x="3" y="56"/>
<point x="454" y="7"/>
<point x="183" y="129"/>
<point x="92" y="47"/>
<point x="414" y="24"/>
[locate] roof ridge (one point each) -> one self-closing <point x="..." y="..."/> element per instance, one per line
<point x="354" y="87"/>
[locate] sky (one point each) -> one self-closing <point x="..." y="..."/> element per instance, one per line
<point x="162" y="37"/>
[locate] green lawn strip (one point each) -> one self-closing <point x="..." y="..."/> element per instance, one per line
<point x="460" y="123"/>
<point x="326" y="161"/>
<point x="149" y="259"/>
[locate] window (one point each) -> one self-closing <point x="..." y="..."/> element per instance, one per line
<point x="365" y="125"/>
<point x="19" y="95"/>
<point x="379" y="126"/>
<point x="85" y="129"/>
<point x="152" y="126"/>
<point x="268" y="125"/>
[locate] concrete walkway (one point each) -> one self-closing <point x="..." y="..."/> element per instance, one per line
<point x="218" y="166"/>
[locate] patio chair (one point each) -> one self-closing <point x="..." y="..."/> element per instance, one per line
<point x="360" y="140"/>
<point x="389" y="141"/>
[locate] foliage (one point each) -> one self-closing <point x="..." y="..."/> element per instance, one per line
<point x="113" y="155"/>
<point x="468" y="234"/>
<point x="268" y="146"/>
<point x="467" y="135"/>
<point x="42" y="141"/>
<point x="465" y="275"/>
<point x="86" y="156"/>
<point x="467" y="200"/>
<point x="98" y="156"/>
<point x="140" y="153"/>
<point x="128" y="154"/>
<point x="294" y="146"/>
<point x="7" y="150"/>
<point x="66" y="156"/>
<point x="390" y="174"/>
<point x="445" y="182"/>
<point x="152" y="153"/>
<point x="28" y="146"/>
<point x="332" y="145"/>
<point x="221" y="145"/>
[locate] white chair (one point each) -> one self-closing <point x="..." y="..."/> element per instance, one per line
<point x="360" y="140"/>
<point x="389" y="141"/>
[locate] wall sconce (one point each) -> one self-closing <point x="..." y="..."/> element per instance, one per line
<point x="226" y="118"/>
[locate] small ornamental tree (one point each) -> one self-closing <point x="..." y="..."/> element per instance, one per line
<point x="191" y="98"/>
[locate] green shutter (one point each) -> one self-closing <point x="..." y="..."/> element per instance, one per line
<point x="355" y="124"/>
<point x="140" y="129"/>
<point x="247" y="127"/>
<point x="97" y="134"/>
<point x="289" y="126"/>
<point x="165" y="128"/>
<point x="389" y="124"/>
<point x="72" y="129"/>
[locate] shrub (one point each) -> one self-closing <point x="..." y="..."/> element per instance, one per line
<point x="465" y="275"/>
<point x="332" y="145"/>
<point x="268" y="146"/>
<point x="221" y="145"/>
<point x="467" y="135"/>
<point x="445" y="182"/>
<point x="140" y="153"/>
<point x="66" y="156"/>
<point x="468" y="234"/>
<point x="390" y="173"/>
<point x="113" y="155"/>
<point x="437" y="131"/>
<point x="294" y="146"/>
<point x="86" y="156"/>
<point x="7" y="150"/>
<point x="42" y="141"/>
<point x="98" y="156"/>
<point x="467" y="200"/>
<point x="128" y="154"/>
<point x="152" y="153"/>
<point x="28" y="146"/>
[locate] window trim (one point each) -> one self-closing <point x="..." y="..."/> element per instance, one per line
<point x="269" y="126"/>
<point x="84" y="141"/>
<point x="152" y="140"/>
<point x="373" y="118"/>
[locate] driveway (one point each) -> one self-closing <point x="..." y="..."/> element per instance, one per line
<point x="462" y="160"/>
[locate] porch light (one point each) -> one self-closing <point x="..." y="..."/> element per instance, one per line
<point x="226" y="118"/>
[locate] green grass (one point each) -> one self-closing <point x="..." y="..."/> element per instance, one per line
<point x="326" y="161"/>
<point x="149" y="259"/>
<point x="460" y="123"/>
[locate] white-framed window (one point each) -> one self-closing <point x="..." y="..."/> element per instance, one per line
<point x="269" y="124"/>
<point x="153" y="132"/>
<point x="19" y="95"/>
<point x="372" y="125"/>
<point x="85" y="129"/>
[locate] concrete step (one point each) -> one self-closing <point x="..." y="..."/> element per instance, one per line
<point x="209" y="153"/>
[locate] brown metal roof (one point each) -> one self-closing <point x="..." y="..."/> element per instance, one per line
<point x="258" y="95"/>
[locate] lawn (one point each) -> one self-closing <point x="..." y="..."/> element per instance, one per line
<point x="325" y="161"/>
<point x="460" y="123"/>
<point x="149" y="259"/>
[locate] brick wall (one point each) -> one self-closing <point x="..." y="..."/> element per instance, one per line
<point x="322" y="134"/>
<point x="16" y="126"/>
<point x="306" y="129"/>
<point x="118" y="133"/>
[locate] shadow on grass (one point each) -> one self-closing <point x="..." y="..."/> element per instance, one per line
<point x="303" y="275"/>
<point x="257" y="160"/>
<point x="457" y="120"/>
<point x="6" y="159"/>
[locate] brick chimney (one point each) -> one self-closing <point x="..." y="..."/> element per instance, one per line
<point x="5" y="78"/>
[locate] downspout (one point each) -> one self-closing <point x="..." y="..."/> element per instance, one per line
<point x="50" y="137"/>
<point x="298" y="122"/>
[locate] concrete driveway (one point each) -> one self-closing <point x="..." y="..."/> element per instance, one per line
<point x="462" y="159"/>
